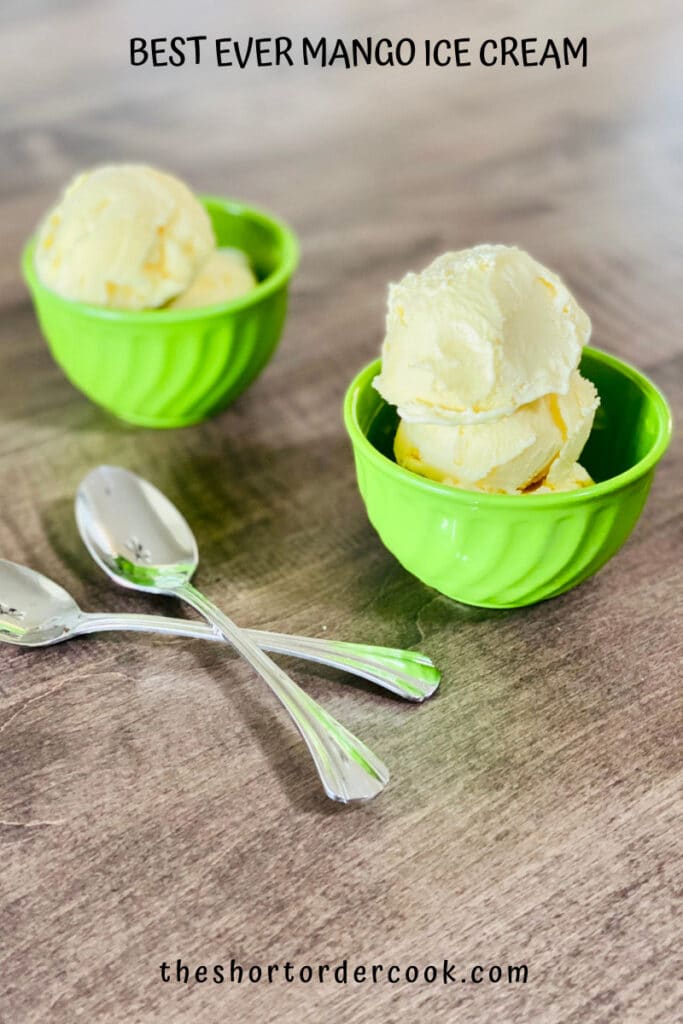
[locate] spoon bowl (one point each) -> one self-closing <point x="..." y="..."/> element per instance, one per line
<point x="134" y="532"/>
<point x="34" y="611"/>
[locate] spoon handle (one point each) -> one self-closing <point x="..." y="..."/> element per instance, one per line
<point x="408" y="674"/>
<point x="347" y="768"/>
<point x="399" y="672"/>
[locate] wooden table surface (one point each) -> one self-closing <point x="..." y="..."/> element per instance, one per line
<point x="155" y="802"/>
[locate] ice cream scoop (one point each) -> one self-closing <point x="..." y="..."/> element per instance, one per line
<point x="478" y="334"/>
<point x="573" y="479"/>
<point x="539" y="443"/>
<point x="124" y="236"/>
<point x="225" y="275"/>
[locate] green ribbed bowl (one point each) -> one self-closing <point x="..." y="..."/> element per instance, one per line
<point x="170" y="368"/>
<point x="505" y="551"/>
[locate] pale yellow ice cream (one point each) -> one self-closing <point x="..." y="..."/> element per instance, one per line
<point x="538" y="444"/>
<point x="225" y="275"/>
<point x="574" y="479"/>
<point x="125" y="236"/>
<point x="478" y="334"/>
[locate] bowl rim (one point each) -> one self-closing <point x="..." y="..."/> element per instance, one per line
<point x="460" y="494"/>
<point x="282" y="273"/>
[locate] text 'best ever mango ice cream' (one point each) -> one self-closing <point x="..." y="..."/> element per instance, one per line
<point x="480" y="357"/>
<point x="128" y="236"/>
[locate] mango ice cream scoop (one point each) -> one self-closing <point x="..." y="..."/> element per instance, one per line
<point x="480" y="358"/>
<point x="225" y="275"/>
<point x="476" y="335"/>
<point x="539" y="443"/>
<point x="123" y="236"/>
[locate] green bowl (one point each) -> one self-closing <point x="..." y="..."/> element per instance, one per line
<point x="170" y="368"/>
<point x="501" y="550"/>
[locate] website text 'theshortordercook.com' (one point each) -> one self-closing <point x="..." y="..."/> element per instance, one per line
<point x="344" y="972"/>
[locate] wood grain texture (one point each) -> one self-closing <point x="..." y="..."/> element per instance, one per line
<point x="154" y="802"/>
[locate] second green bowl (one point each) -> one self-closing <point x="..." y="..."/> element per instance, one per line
<point x="171" y="368"/>
<point x="502" y="550"/>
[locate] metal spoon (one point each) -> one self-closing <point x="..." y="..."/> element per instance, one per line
<point x="142" y="541"/>
<point x="36" y="612"/>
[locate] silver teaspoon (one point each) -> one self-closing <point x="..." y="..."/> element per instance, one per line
<point x="142" y="541"/>
<point x="36" y="612"/>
